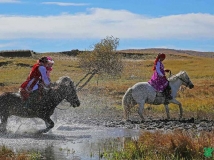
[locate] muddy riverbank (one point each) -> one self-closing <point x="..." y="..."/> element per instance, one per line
<point x="85" y="132"/>
<point x="99" y="112"/>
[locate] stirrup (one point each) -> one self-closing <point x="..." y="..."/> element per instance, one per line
<point x="169" y="97"/>
<point x="166" y="101"/>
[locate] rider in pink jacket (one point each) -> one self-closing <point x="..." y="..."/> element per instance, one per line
<point x="158" y="79"/>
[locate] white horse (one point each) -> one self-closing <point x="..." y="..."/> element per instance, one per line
<point x="143" y="92"/>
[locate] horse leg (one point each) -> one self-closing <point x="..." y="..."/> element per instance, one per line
<point x="49" y="124"/>
<point x="180" y="106"/>
<point x="167" y="111"/>
<point x="3" y="123"/>
<point x="140" y="110"/>
<point x="126" y="112"/>
<point x="127" y="104"/>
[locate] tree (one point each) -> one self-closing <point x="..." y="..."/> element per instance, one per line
<point x="103" y="59"/>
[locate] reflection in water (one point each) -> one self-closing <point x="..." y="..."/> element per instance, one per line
<point x="101" y="140"/>
<point x="69" y="142"/>
<point x="94" y="150"/>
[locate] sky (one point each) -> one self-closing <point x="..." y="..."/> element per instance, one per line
<point x="54" y="26"/>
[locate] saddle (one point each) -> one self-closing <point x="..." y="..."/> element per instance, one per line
<point x="24" y="94"/>
<point x="34" y="99"/>
<point x="160" y="96"/>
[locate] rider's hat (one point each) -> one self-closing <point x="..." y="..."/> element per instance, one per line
<point x="161" y="55"/>
<point x="43" y="60"/>
<point x="50" y="60"/>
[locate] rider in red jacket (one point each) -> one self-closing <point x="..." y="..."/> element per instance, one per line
<point x="37" y="75"/>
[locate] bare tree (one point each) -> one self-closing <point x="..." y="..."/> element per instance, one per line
<point x="103" y="59"/>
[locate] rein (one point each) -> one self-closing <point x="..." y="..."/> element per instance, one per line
<point x="187" y="83"/>
<point x="61" y="101"/>
<point x="62" y="109"/>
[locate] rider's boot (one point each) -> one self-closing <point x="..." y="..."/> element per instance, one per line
<point x="168" y="95"/>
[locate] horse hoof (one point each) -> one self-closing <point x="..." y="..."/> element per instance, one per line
<point x="3" y="130"/>
<point x="43" y="131"/>
<point x="128" y="120"/>
<point x="142" y="121"/>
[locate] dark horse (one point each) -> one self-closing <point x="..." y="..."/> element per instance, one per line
<point x="11" y="104"/>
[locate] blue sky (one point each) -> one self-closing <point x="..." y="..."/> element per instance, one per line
<point x="44" y="26"/>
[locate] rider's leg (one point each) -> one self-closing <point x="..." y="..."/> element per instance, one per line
<point x="33" y="98"/>
<point x="167" y="93"/>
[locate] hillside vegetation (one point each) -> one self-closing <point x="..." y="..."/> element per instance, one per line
<point x="170" y="51"/>
<point x="197" y="102"/>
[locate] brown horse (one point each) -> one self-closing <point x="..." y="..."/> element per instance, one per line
<point x="11" y="104"/>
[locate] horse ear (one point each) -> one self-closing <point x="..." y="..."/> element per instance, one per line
<point x="53" y="84"/>
<point x="64" y="80"/>
<point x="182" y="72"/>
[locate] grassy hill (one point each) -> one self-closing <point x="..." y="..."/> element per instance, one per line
<point x="129" y="53"/>
<point x="197" y="102"/>
<point x="169" y="52"/>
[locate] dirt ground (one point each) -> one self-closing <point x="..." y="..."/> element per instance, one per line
<point x="99" y="111"/>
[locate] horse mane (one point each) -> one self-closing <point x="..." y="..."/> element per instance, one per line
<point x="63" y="79"/>
<point x="174" y="77"/>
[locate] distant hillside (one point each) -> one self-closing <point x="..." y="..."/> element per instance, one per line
<point x="128" y="53"/>
<point x="169" y="51"/>
<point x="17" y="53"/>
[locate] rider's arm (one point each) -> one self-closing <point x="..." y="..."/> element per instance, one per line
<point x="158" y="69"/>
<point x="45" y="78"/>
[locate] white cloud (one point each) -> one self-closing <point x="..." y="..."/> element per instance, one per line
<point x="99" y="23"/>
<point x="65" y="4"/>
<point x="3" y="45"/>
<point x="9" y="1"/>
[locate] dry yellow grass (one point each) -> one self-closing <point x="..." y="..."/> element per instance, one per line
<point x="158" y="145"/>
<point x="195" y="101"/>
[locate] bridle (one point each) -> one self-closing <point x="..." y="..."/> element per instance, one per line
<point x="187" y="83"/>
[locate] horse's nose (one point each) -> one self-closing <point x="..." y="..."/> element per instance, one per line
<point x="78" y="103"/>
<point x="191" y="86"/>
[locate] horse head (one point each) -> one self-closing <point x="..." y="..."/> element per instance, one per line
<point x="66" y="89"/>
<point x="182" y="75"/>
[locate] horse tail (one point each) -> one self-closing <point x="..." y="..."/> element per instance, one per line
<point x="128" y="102"/>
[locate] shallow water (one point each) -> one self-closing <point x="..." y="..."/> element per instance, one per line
<point x="65" y="141"/>
<point x="85" y="132"/>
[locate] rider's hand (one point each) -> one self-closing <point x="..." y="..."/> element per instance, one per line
<point x="167" y="70"/>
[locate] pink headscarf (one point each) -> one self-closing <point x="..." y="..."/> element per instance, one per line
<point x="49" y="69"/>
<point x="50" y="60"/>
<point x="160" y="55"/>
